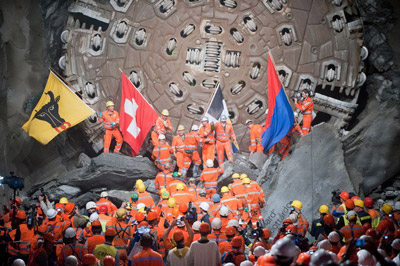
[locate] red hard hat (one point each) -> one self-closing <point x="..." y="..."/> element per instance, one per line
<point x="267" y="233"/>
<point x="108" y="261"/>
<point x="369" y="202"/>
<point x="21" y="215"/>
<point x="349" y="204"/>
<point x="372" y="233"/>
<point x="18" y="201"/>
<point x="230" y="231"/>
<point x="291" y="228"/>
<point x="151" y="216"/>
<point x="183" y="208"/>
<point x="103" y="209"/>
<point x="344" y="195"/>
<point x="96" y="223"/>
<point x="287" y="221"/>
<point x="236" y="242"/>
<point x="139" y="217"/>
<point x="329" y="220"/>
<point x="88" y="259"/>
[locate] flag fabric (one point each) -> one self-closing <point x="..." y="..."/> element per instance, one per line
<point x="137" y="116"/>
<point x="218" y="108"/>
<point x="58" y="109"/>
<point x="280" y="116"/>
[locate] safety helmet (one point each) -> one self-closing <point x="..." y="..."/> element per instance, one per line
<point x="103" y="194"/>
<point x="51" y="213"/>
<point x="397" y="206"/>
<point x="204" y="206"/>
<point x="128" y="206"/>
<point x="140" y="206"/>
<point x="224" y="211"/>
<point x="134" y="196"/>
<point x="138" y="181"/>
<point x="141" y="188"/>
<point x="236" y="242"/>
<point x="165" y="112"/>
<point x="369" y="202"/>
<point x="246" y="180"/>
<point x="267" y="233"/>
<point x="171" y="202"/>
<point x="224" y="189"/>
<point x="230" y="231"/>
<point x="70" y="233"/>
<point x="195" y="127"/>
<point x="139" y="217"/>
<point x="334" y="237"/>
<point x="223" y="118"/>
<point x="243" y="176"/>
<point x="249" y="121"/>
<point x="108" y="261"/>
<point x="161" y="137"/>
<point x="216" y="223"/>
<point x="209" y="163"/>
<point x="175" y="212"/>
<point x="216" y="198"/>
<point x="387" y="208"/>
<point x="42" y="228"/>
<point x="21" y="215"/>
<point x="89" y="259"/>
<point x="196" y="225"/>
<point x="175" y="174"/>
<point x="17" y="201"/>
<point x="304" y="258"/>
<point x="324" y="244"/>
<point x="91" y="205"/>
<point x="151" y="216"/>
<point x="63" y="200"/>
<point x="93" y="217"/>
<point x="202" y="192"/>
<point x="103" y="209"/>
<point x="344" y="195"/>
<point x="349" y="204"/>
<point x="165" y="195"/>
<point x="109" y="103"/>
<point x="181" y="127"/>
<point x="259" y="251"/>
<point x="297" y="204"/>
<point x="351" y="215"/>
<point x="180" y="186"/>
<point x="18" y="262"/>
<point x="324" y="209"/>
<point x="359" y="203"/>
<point x="235" y="176"/>
<point x="121" y="213"/>
<point x="355" y="198"/>
<point x="233" y="222"/>
<point x="204" y="119"/>
<point x="285" y="249"/>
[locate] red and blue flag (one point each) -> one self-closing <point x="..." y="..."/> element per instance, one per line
<point x="280" y="116"/>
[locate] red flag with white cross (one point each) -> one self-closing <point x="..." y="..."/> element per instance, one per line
<point x="137" y="116"/>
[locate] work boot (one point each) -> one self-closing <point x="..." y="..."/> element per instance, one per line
<point x="196" y="171"/>
<point x="183" y="174"/>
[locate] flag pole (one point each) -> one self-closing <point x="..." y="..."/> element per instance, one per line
<point x="212" y="96"/>
<point x="70" y="86"/>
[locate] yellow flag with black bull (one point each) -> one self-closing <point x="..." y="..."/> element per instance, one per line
<point x="58" y="109"/>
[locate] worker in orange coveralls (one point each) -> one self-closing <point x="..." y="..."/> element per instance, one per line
<point x="207" y="140"/>
<point x="162" y="153"/>
<point x="178" y="145"/>
<point x="256" y="131"/>
<point x="110" y="119"/>
<point x="306" y="106"/>
<point x="225" y="135"/>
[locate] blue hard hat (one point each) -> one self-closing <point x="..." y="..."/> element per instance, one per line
<point x="216" y="198"/>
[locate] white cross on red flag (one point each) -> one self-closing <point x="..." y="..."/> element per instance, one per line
<point x="137" y="116"/>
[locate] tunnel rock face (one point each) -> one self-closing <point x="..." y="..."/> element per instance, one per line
<point x="175" y="52"/>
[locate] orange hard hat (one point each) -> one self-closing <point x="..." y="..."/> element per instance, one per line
<point x="236" y="242"/>
<point x="139" y="217"/>
<point x="349" y="204"/>
<point x="110" y="232"/>
<point x="21" y="215"/>
<point x="151" y="216"/>
<point x="355" y="198"/>
<point x="304" y="258"/>
<point x="143" y="223"/>
<point x="108" y="261"/>
<point x="329" y="220"/>
<point x="175" y="212"/>
<point x="96" y="223"/>
<point x="42" y="228"/>
<point x="287" y="221"/>
<point x="369" y="202"/>
<point x="89" y="259"/>
<point x="103" y="209"/>
<point x="257" y="244"/>
<point x="230" y="231"/>
<point x="17" y="201"/>
<point x="344" y="195"/>
<point x="224" y="247"/>
<point x="183" y="208"/>
<point x="266" y="260"/>
<point x="49" y="237"/>
<point x="291" y="228"/>
<point x="178" y="235"/>
<point x="69" y="207"/>
<point x="157" y="210"/>
<point x="59" y="206"/>
<point x="267" y="233"/>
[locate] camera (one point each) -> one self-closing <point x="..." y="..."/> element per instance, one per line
<point x="297" y="96"/>
<point x="13" y="182"/>
<point x="144" y="230"/>
<point x="335" y="197"/>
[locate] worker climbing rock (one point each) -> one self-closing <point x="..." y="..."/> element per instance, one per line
<point x="306" y="106"/>
<point x="207" y="140"/>
<point x="224" y="135"/>
<point x="191" y="154"/>
<point x="209" y="177"/>
<point x="256" y="131"/>
<point x="110" y="119"/>
<point x="178" y="146"/>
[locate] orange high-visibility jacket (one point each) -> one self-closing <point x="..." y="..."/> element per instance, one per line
<point x="253" y="198"/>
<point x="147" y="257"/>
<point x="192" y="140"/>
<point x="111" y="207"/>
<point x="163" y="179"/>
<point x="181" y="197"/>
<point x="232" y="202"/>
<point x="209" y="176"/>
<point x="257" y="187"/>
<point x="93" y="241"/>
<point x="146" y="199"/>
<point x="306" y="106"/>
<point x="76" y="249"/>
<point x="224" y="134"/>
<point x="178" y="143"/>
<point x="206" y="134"/>
<point x="172" y="186"/>
<point x="256" y="131"/>
<point x="23" y="245"/>
<point x="351" y="231"/>
<point x="238" y="189"/>
<point x="161" y="126"/>
<point x="123" y="230"/>
<point x="162" y="153"/>
<point x="110" y="118"/>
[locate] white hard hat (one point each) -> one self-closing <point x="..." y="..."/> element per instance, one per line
<point x="334" y="237"/>
<point x="93" y="217"/>
<point x="246" y="263"/>
<point x="71" y="260"/>
<point x="91" y="205"/>
<point x="195" y="128"/>
<point x="216" y="223"/>
<point x="320" y="257"/>
<point x="396" y="244"/>
<point x="324" y="244"/>
<point x="351" y="213"/>
<point x="293" y="217"/>
<point x="18" y="262"/>
<point x="223" y="118"/>
<point x="70" y="233"/>
<point x="233" y="222"/>
<point x="165" y="112"/>
<point x="140" y="206"/>
<point x="224" y="211"/>
<point x="365" y="258"/>
<point x="202" y="192"/>
<point x="205" y="206"/>
<point x="104" y="194"/>
<point x="51" y="213"/>
<point x="196" y="225"/>
<point x="204" y="119"/>
<point x="161" y="137"/>
<point x="397" y="206"/>
<point x="259" y="251"/>
<point x="285" y="249"/>
<point x="209" y="163"/>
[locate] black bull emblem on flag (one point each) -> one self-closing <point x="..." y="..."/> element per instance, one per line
<point x="49" y="113"/>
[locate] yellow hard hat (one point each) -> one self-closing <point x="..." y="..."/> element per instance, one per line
<point x="246" y="180"/>
<point x="297" y="204"/>
<point x="109" y="103"/>
<point x="171" y="202"/>
<point x="165" y="194"/>
<point x="63" y="200"/>
<point x="359" y="203"/>
<point x="235" y="176"/>
<point x="224" y="189"/>
<point x="165" y="112"/>
<point x="324" y="209"/>
<point x="139" y="181"/>
<point x="180" y="186"/>
<point x="243" y="176"/>
<point x="387" y="208"/>
<point x="121" y="213"/>
<point x="181" y="127"/>
<point x="142" y="210"/>
<point x="141" y="188"/>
